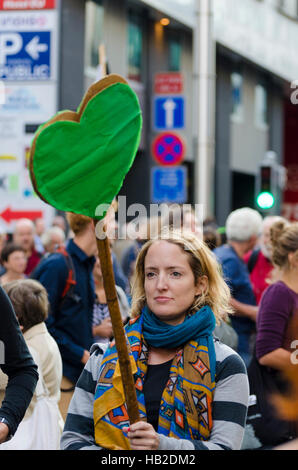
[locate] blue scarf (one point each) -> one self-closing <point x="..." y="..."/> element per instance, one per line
<point x="197" y="327"/>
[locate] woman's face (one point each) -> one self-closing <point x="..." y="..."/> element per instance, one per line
<point x="169" y="282"/>
<point x="16" y="262"/>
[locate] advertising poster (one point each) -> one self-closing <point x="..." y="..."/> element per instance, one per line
<point x="28" y="74"/>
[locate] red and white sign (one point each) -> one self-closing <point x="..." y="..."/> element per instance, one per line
<point x="15" y="5"/>
<point x="168" y="83"/>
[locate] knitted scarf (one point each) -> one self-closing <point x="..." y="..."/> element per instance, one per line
<point x="185" y="409"/>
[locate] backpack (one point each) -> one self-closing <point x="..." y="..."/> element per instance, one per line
<point x="253" y="260"/>
<point x="71" y="276"/>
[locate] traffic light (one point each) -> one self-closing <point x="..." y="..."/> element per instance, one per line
<point x="266" y="196"/>
<point x="270" y="182"/>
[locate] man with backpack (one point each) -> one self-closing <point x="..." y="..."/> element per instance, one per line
<point x="67" y="277"/>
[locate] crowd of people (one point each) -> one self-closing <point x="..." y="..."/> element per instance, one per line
<point x="200" y="307"/>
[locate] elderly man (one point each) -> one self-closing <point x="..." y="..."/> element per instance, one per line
<point x="52" y="238"/>
<point x="24" y="236"/>
<point x="243" y="227"/>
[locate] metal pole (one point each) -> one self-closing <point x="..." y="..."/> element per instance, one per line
<point x="204" y="59"/>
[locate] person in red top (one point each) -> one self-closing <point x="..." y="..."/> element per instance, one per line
<point x="24" y="236"/>
<point x="259" y="260"/>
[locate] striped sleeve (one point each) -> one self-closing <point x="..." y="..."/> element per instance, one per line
<point x="230" y="403"/>
<point x="78" y="432"/>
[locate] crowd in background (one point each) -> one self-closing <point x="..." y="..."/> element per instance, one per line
<point x="53" y="278"/>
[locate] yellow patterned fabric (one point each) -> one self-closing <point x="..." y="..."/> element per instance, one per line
<point x="186" y="404"/>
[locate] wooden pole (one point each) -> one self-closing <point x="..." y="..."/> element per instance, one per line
<point x="105" y="257"/>
<point x="102" y="61"/>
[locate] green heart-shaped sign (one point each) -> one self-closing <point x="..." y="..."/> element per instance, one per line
<point x="78" y="161"/>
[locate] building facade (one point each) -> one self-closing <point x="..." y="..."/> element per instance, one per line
<point x="253" y="110"/>
<point x="153" y="44"/>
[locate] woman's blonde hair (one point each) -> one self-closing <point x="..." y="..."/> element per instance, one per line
<point x="202" y="262"/>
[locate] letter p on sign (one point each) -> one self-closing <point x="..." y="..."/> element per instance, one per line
<point x="10" y="44"/>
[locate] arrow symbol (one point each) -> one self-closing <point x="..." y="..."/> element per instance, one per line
<point x="34" y="48"/>
<point x="169" y="107"/>
<point x="8" y="214"/>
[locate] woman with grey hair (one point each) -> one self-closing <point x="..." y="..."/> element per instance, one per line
<point x="30" y="302"/>
<point x="17" y="363"/>
<point x="51" y="238"/>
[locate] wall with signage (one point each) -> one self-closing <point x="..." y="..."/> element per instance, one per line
<point x="28" y="73"/>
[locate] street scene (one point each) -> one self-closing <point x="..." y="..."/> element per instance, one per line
<point x="148" y="227"/>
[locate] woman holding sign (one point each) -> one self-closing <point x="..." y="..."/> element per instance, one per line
<point x="192" y="390"/>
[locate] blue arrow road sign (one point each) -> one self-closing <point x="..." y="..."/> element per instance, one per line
<point x="169" y="112"/>
<point x="25" y="55"/>
<point x="169" y="184"/>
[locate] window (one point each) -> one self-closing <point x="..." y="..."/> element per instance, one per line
<point x="260" y="106"/>
<point x="135" y="47"/>
<point x="174" y="55"/>
<point x="237" y="96"/>
<point x="289" y="7"/>
<point x="94" y="33"/>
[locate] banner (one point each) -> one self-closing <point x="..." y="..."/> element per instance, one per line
<point x="27" y="4"/>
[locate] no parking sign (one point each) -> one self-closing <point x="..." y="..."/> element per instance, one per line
<point x="168" y="149"/>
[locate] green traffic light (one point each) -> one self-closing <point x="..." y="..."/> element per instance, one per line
<point x="265" y="200"/>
